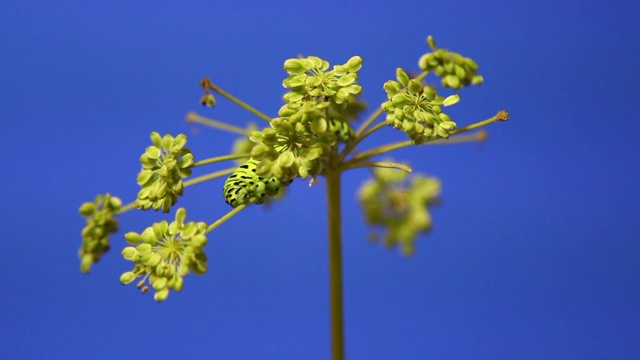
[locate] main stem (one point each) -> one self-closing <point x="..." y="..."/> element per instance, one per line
<point x="335" y="263"/>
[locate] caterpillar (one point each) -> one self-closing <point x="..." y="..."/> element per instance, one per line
<point x="244" y="186"/>
<point x="341" y="129"/>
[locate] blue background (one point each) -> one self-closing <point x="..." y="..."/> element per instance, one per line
<point x="534" y="253"/>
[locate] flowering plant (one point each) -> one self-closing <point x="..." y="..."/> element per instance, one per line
<point x="316" y="133"/>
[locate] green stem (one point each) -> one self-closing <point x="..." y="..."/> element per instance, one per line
<point x="335" y="263"/>
<point x="369" y="120"/>
<point x="478" y="136"/>
<point x="213" y="175"/>
<point x="422" y="75"/>
<point x="226" y="217"/>
<point x="380" y="164"/>
<point x="239" y="102"/>
<point x="501" y="116"/>
<point x="125" y="208"/>
<point x="195" y="118"/>
<point x="220" y="158"/>
<point x="350" y="146"/>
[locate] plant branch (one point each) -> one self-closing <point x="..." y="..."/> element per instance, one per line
<point x="226" y="217"/>
<point x="195" y="118"/>
<point x="381" y="164"/>
<point x="369" y="120"/>
<point x="502" y="115"/>
<point x="220" y="158"/>
<point x="239" y="102"/>
<point x="213" y="175"/>
<point x="125" y="208"/>
<point x="335" y="263"/>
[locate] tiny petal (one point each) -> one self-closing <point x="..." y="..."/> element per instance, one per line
<point x="414" y="86"/>
<point x="294" y="66"/>
<point x="208" y="100"/>
<point x="152" y="152"/>
<point x="161" y="295"/>
<point x="153" y="260"/>
<point x="431" y="42"/>
<point x="179" y="282"/>
<point x="85" y="263"/>
<point x="178" y="142"/>
<point x="129" y="252"/>
<point x="199" y="241"/>
<point x="144" y="177"/>
<point x="87" y="209"/>
<point x="159" y="283"/>
<point x="448" y="125"/>
<point x="451" y="100"/>
<point x="127" y="278"/>
<point x="144" y="249"/>
<point x="156" y="140"/>
<point x="402" y="77"/>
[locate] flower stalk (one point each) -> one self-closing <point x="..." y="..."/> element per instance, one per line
<point x="335" y="263"/>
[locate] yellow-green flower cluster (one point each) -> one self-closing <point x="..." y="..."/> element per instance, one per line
<point x="309" y="124"/>
<point x="100" y="223"/>
<point x="309" y="77"/>
<point x="454" y="69"/>
<point x="416" y="108"/>
<point x="164" y="165"/>
<point x="164" y="253"/>
<point x="399" y="205"/>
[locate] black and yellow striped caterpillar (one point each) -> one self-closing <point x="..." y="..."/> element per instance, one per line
<point x="244" y="186"/>
<point x="341" y="129"/>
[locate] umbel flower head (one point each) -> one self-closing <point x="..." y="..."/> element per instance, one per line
<point x="416" y="109"/>
<point x="100" y="223"/>
<point x="164" y="253"/>
<point x="454" y="69"/>
<point x="398" y="204"/>
<point x="164" y="165"/>
<point x="310" y="123"/>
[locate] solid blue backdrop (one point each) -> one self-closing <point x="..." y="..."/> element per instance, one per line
<point x="534" y="252"/>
